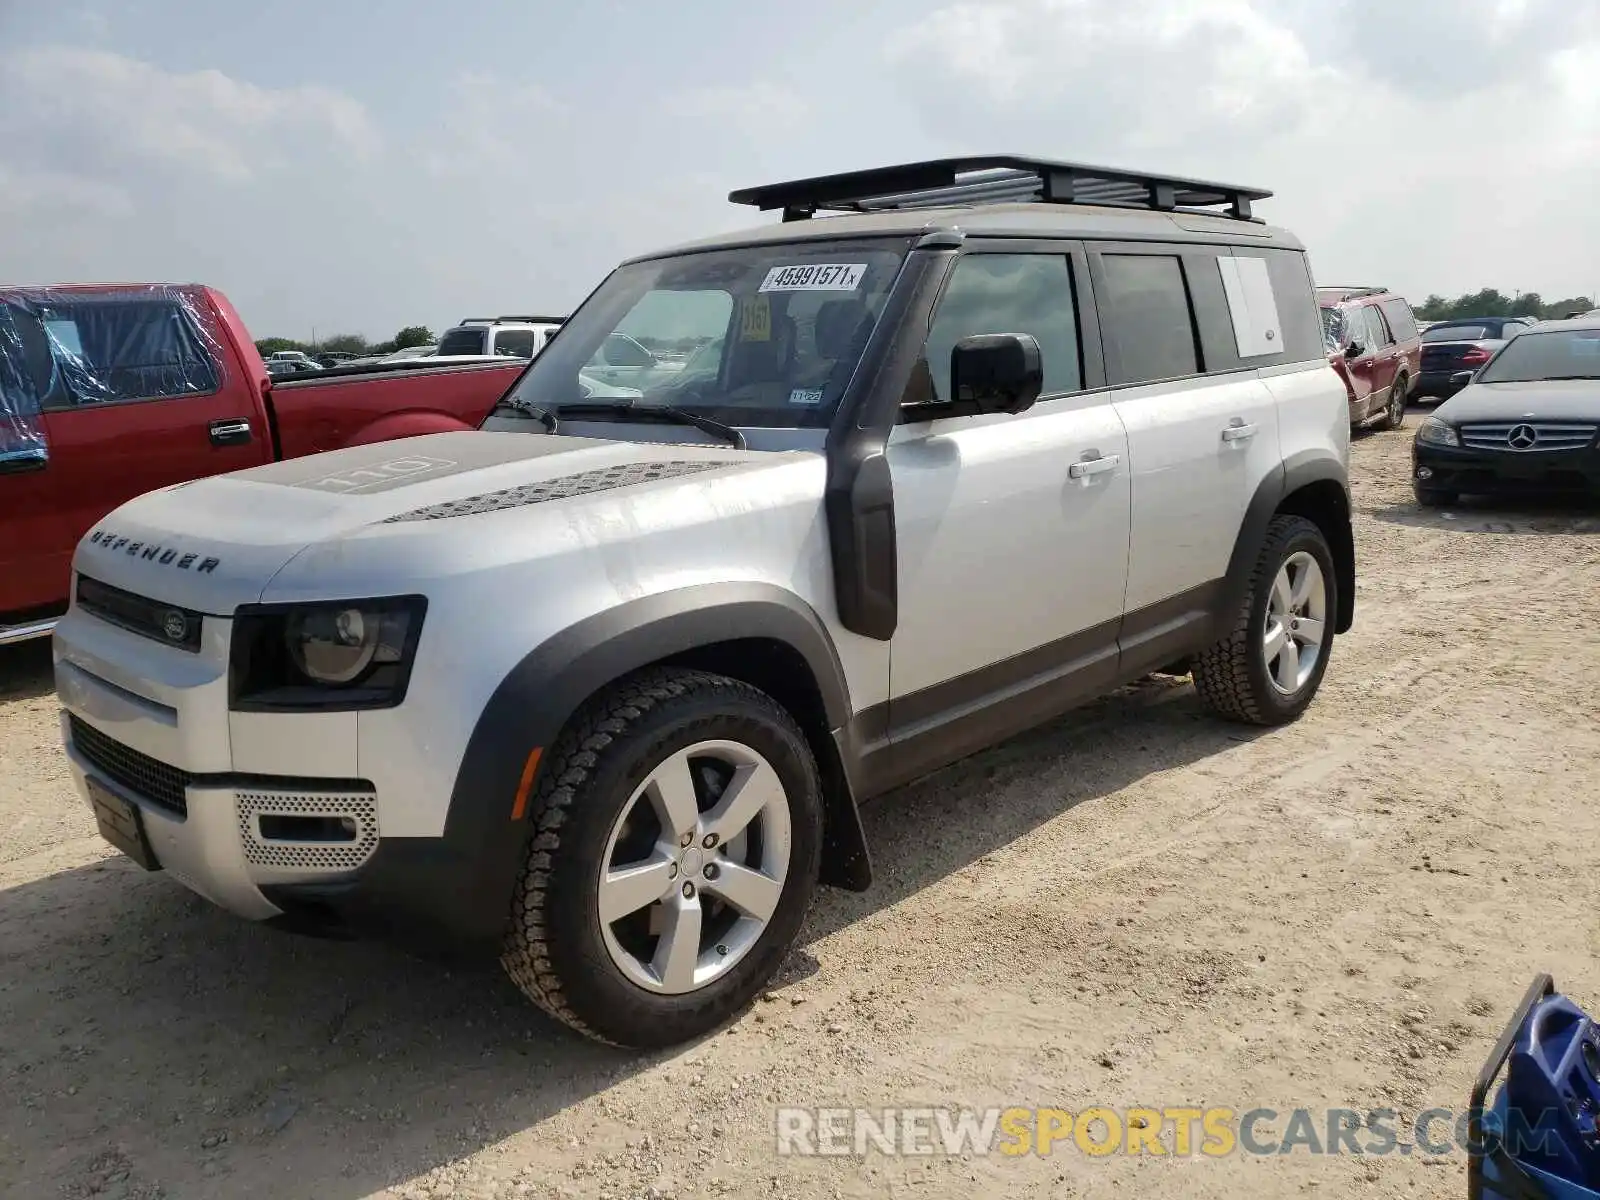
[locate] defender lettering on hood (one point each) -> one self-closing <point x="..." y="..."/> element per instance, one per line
<point x="164" y="556"/>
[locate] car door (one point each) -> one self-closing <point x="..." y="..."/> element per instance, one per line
<point x="1384" y="352"/>
<point x="141" y="399"/>
<point x="1360" y="360"/>
<point x="1011" y="530"/>
<point x="32" y="533"/>
<point x="1202" y="427"/>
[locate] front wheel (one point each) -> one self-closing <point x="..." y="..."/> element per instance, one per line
<point x="1268" y="669"/>
<point x="679" y="833"/>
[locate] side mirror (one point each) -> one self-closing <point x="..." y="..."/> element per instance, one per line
<point x="1354" y="350"/>
<point x="996" y="372"/>
<point x="1462" y="378"/>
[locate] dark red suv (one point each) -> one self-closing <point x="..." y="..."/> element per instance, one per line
<point x="1374" y="344"/>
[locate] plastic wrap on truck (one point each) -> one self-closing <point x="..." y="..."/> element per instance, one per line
<point x="61" y="347"/>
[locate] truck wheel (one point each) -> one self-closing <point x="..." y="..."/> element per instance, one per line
<point x="1269" y="668"/>
<point x="679" y="835"/>
<point x="1394" y="412"/>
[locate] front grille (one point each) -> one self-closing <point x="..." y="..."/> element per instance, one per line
<point x="154" y="619"/>
<point x="360" y="809"/>
<point x="149" y="778"/>
<point x="1530" y="435"/>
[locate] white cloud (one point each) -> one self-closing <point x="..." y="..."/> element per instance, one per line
<point x="1386" y="172"/>
<point x="757" y="110"/>
<point x="103" y="110"/>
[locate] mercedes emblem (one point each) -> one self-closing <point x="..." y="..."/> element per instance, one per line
<point x="1522" y="437"/>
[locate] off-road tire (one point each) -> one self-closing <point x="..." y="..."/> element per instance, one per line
<point x="1231" y="677"/>
<point x="554" y="951"/>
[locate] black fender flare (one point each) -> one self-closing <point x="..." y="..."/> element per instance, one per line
<point x="539" y="695"/>
<point x="1296" y="472"/>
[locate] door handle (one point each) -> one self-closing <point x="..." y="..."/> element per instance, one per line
<point x="1093" y="466"/>
<point x="1238" y="433"/>
<point x="232" y="432"/>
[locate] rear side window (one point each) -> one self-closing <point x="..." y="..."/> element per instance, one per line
<point x="514" y="343"/>
<point x="462" y="341"/>
<point x="109" y="348"/>
<point x="1377" y="331"/>
<point x="1400" y="319"/>
<point x="1009" y="293"/>
<point x="1148" y="313"/>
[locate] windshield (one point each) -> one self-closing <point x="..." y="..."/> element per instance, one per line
<point x="1455" y="333"/>
<point x="753" y="336"/>
<point x="1560" y="354"/>
<point x="462" y="341"/>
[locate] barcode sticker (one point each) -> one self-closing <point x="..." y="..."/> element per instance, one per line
<point x="815" y="277"/>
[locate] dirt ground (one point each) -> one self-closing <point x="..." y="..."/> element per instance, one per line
<point x="1134" y="905"/>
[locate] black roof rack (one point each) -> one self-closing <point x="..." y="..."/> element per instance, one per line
<point x="542" y="320"/>
<point x="1351" y="293"/>
<point x="995" y="179"/>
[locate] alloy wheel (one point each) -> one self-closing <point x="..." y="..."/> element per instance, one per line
<point x="1296" y="620"/>
<point x="694" y="867"/>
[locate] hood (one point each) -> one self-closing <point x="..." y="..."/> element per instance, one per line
<point x="213" y="544"/>
<point x="1545" y="400"/>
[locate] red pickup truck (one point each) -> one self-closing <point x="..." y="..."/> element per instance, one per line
<point x="110" y="391"/>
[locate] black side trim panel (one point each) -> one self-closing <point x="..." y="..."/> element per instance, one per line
<point x="453" y="893"/>
<point x="859" y="501"/>
<point x="942" y="724"/>
<point x="1169" y="629"/>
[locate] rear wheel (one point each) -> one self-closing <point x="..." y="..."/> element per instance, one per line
<point x="679" y="835"/>
<point x="1394" y="412"/>
<point x="1268" y="669"/>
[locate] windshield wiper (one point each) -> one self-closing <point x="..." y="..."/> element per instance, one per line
<point x="625" y="409"/>
<point x="533" y="410"/>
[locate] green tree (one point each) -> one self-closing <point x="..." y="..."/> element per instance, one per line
<point x="267" y="347"/>
<point x="344" y="343"/>
<point x="413" y="335"/>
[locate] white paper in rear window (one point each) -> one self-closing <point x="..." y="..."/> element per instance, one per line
<point x="1256" y="327"/>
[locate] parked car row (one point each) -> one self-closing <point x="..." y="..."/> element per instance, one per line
<point x="108" y="392"/>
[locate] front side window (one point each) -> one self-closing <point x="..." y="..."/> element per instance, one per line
<point x="1148" y="312"/>
<point x="765" y="335"/>
<point x="1536" y="355"/>
<point x="1009" y="293"/>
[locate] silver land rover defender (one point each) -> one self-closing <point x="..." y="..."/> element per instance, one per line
<point x="598" y="689"/>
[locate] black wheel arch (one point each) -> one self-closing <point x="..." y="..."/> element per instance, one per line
<point x="756" y="632"/>
<point x="1312" y="484"/>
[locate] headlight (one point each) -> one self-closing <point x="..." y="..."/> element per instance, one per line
<point x="1437" y="433"/>
<point x="352" y="654"/>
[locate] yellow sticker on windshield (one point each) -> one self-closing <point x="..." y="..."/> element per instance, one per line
<point x="755" y="323"/>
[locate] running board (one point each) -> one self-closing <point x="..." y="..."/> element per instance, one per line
<point x="26" y="632"/>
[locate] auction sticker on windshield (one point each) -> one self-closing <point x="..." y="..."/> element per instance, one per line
<point x="815" y="277"/>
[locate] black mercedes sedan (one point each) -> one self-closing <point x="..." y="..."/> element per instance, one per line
<point x="1524" y="424"/>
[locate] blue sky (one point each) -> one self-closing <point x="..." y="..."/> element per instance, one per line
<point x="355" y="166"/>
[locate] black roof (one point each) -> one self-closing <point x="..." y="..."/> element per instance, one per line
<point x="996" y="179"/>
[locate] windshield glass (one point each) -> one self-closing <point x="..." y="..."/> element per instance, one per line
<point x="1455" y="333"/>
<point x="462" y="341"/>
<point x="1561" y="354"/>
<point x="753" y="336"/>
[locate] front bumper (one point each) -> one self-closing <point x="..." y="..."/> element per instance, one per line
<point x="1505" y="472"/>
<point x="147" y="731"/>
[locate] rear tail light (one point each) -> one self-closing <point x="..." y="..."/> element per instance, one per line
<point x="1476" y="355"/>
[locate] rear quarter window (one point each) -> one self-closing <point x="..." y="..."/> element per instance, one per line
<point x="1401" y="321"/>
